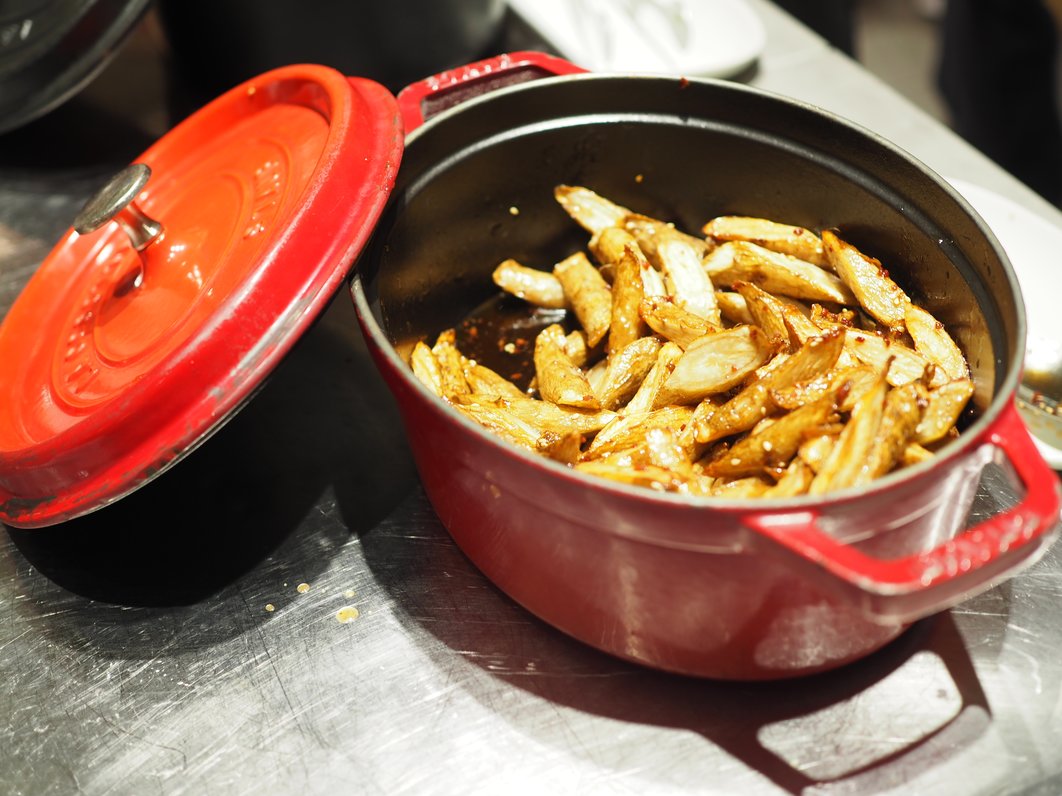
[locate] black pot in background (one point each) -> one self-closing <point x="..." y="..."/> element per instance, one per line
<point x="219" y="44"/>
<point x="50" y="49"/>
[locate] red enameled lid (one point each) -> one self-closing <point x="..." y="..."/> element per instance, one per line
<point x="115" y="362"/>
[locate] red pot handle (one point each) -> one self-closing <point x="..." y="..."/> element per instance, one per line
<point x="909" y="588"/>
<point x="419" y="101"/>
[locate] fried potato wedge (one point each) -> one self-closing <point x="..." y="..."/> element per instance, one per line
<point x="590" y="210"/>
<point x="653" y="282"/>
<point x="426" y="368"/>
<point x="484" y="381"/>
<point x="904" y="407"/>
<point x="753" y="403"/>
<point x="672" y="322"/>
<point x="826" y="319"/>
<point x="734" y="488"/>
<point x="625" y="371"/>
<point x="629" y="430"/>
<point x="795" y="480"/>
<point x="627" y="325"/>
<point x="664" y="449"/>
<point x="855" y="444"/>
<point x="783" y="238"/>
<point x="540" y="288"/>
<point x="645" y="475"/>
<point x="915" y="454"/>
<point x="563" y="448"/>
<point x="493" y="414"/>
<point x="659" y="462"/>
<point x="715" y="363"/>
<point x="607" y="245"/>
<point x="945" y="405"/>
<point x="575" y="347"/>
<point x="774" y="446"/>
<point x="733" y="307"/>
<point x="815" y="450"/>
<point x="645" y="230"/>
<point x="542" y="415"/>
<point x="595" y="374"/>
<point x="860" y="378"/>
<point x="794" y="396"/>
<point x="451" y="365"/>
<point x="782" y="274"/>
<point x="801" y="327"/>
<point x="768" y="313"/>
<point x="680" y="261"/>
<point x="932" y="340"/>
<point x="645" y="398"/>
<point x="762" y="426"/>
<point x="559" y="379"/>
<point x="875" y="350"/>
<point x="588" y="294"/>
<point x="560" y="420"/>
<point x="877" y="293"/>
<point x="770" y="366"/>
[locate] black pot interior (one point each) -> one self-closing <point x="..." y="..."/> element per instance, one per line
<point x="476" y="187"/>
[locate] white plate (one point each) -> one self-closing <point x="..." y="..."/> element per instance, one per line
<point x="695" y="38"/>
<point x="1034" y="246"/>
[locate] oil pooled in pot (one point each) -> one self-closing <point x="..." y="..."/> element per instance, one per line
<point x="500" y="334"/>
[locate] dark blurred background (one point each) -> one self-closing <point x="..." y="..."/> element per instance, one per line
<point x="987" y="68"/>
<point x="990" y="69"/>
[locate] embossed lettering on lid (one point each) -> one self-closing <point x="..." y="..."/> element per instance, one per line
<point x="139" y="337"/>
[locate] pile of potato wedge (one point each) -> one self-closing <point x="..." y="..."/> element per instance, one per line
<point x="758" y="360"/>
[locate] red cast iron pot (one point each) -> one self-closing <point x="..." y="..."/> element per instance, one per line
<point x="116" y="362"/>
<point x="727" y="589"/>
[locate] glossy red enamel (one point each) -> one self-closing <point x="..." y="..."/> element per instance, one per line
<point x="116" y="363"/>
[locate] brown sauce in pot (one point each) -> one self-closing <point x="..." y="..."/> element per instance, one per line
<point x="500" y="334"/>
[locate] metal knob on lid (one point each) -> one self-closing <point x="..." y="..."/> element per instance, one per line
<point x="116" y="201"/>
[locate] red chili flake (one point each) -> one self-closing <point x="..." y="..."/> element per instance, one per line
<point x="515" y="376"/>
<point x="684" y="83"/>
<point x="798" y="231"/>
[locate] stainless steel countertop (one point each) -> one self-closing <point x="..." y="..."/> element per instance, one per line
<point x="187" y="640"/>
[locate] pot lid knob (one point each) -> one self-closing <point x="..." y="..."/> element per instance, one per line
<point x="116" y="201"/>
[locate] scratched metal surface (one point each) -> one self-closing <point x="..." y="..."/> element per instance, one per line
<point x="284" y="613"/>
